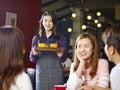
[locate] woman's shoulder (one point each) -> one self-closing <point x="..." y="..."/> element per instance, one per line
<point x="102" y="61"/>
<point x="103" y="67"/>
<point x="22" y="75"/>
<point x="22" y="81"/>
<point x="35" y="38"/>
<point x="59" y="37"/>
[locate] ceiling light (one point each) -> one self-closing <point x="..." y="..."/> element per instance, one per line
<point x="89" y="17"/>
<point x="84" y="27"/>
<point x="74" y="15"/>
<point x="99" y="25"/>
<point x="95" y="21"/>
<point x="98" y="13"/>
<point x="69" y="29"/>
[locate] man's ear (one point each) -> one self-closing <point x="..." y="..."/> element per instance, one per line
<point x="112" y="49"/>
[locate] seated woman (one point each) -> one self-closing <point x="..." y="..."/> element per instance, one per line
<point x="87" y="68"/>
<point x="12" y="75"/>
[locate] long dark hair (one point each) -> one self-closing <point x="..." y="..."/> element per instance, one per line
<point x="54" y="30"/>
<point x="11" y="49"/>
<point x="42" y="30"/>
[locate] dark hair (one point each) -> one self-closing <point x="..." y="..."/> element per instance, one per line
<point x="11" y="49"/>
<point x="111" y="36"/>
<point x="42" y="30"/>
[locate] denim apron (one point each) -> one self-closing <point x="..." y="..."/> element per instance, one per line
<point x="49" y="71"/>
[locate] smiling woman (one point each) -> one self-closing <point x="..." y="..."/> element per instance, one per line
<point x="87" y="69"/>
<point x="48" y="60"/>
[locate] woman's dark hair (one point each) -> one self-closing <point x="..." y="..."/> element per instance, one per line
<point x="54" y="30"/>
<point x="11" y="49"/>
<point x="42" y="30"/>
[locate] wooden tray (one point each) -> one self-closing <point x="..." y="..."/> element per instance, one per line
<point x="48" y="49"/>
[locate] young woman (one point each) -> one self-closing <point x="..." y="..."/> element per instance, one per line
<point x="87" y="68"/>
<point x="48" y="64"/>
<point x="12" y="75"/>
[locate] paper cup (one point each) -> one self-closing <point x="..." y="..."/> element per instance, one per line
<point x="59" y="87"/>
<point x="53" y="45"/>
<point x="42" y="45"/>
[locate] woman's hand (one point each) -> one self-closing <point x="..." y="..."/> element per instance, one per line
<point x="60" y="53"/>
<point x="81" y="65"/>
<point x="80" y="57"/>
<point x="34" y="51"/>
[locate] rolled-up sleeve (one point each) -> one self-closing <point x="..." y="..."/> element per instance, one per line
<point x="74" y="81"/>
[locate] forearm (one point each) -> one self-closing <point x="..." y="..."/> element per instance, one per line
<point x="85" y="87"/>
<point x="33" y="58"/>
<point x="80" y="70"/>
<point x="100" y="88"/>
<point x="74" y="81"/>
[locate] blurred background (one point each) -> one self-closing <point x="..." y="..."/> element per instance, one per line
<point x="74" y="17"/>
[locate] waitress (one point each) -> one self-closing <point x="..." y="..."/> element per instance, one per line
<point x="49" y="70"/>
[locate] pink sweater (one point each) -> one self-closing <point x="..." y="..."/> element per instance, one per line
<point x="101" y="79"/>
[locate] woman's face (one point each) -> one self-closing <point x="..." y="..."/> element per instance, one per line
<point x="84" y="49"/>
<point x="47" y="23"/>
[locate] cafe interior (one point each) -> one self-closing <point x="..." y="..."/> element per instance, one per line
<point x="74" y="17"/>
